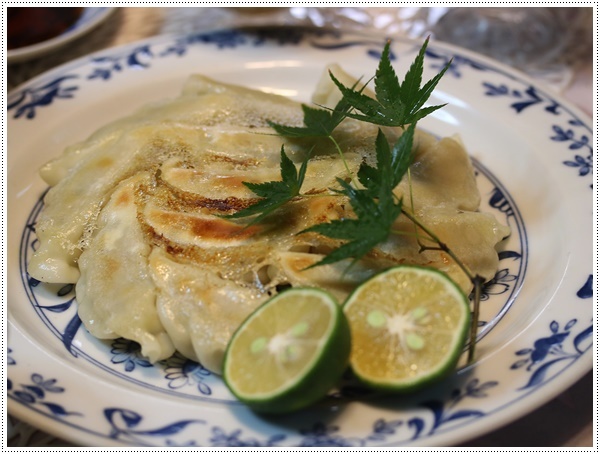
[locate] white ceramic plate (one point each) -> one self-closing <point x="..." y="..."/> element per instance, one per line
<point x="532" y="151"/>
<point x="90" y="18"/>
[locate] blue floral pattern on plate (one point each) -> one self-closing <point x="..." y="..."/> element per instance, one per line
<point x="196" y="409"/>
<point x="35" y="394"/>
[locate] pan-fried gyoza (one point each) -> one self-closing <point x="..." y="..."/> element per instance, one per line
<point x="135" y="217"/>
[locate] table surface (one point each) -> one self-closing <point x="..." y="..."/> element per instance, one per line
<point x="566" y="421"/>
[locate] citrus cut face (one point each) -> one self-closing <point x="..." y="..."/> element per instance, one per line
<point x="289" y="353"/>
<point x="409" y="325"/>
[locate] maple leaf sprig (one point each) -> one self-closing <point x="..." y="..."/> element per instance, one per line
<point x="392" y="164"/>
<point x="371" y="227"/>
<point x="395" y="104"/>
<point x="275" y="194"/>
<point x="376" y="206"/>
<point x="318" y="123"/>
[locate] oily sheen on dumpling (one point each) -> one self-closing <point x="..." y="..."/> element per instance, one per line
<point x="115" y="291"/>
<point x="135" y="218"/>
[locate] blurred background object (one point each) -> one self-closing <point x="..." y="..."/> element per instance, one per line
<point x="543" y="42"/>
<point x="33" y="32"/>
<point x="549" y="43"/>
<point x="27" y="26"/>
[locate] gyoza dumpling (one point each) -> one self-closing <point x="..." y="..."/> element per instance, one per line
<point x="115" y="291"/>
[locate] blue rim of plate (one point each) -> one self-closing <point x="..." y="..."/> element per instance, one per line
<point x="60" y="84"/>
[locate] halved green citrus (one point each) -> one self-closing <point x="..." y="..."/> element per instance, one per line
<point x="288" y="353"/>
<point x="409" y="325"/>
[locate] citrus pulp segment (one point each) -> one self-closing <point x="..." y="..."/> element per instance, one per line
<point x="409" y="325"/>
<point x="289" y="353"/>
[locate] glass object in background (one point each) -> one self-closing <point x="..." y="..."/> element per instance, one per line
<point x="547" y="43"/>
<point x="414" y="22"/>
<point x="543" y="42"/>
<point x="404" y="21"/>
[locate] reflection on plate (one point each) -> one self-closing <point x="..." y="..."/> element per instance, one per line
<point x="532" y="153"/>
<point x="90" y="18"/>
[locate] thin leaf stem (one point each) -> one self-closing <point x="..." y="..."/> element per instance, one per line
<point x="341" y="153"/>
<point x="441" y="245"/>
<point x="409" y="234"/>
<point x="478" y="282"/>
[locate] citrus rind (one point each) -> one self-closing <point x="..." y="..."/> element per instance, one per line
<point x="409" y="325"/>
<point x="316" y="377"/>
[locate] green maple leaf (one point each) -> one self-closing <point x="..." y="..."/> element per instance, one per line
<point x="372" y="226"/>
<point x="375" y="207"/>
<point x="317" y="122"/>
<point x="392" y="164"/>
<point x="395" y="104"/>
<point x="274" y="194"/>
